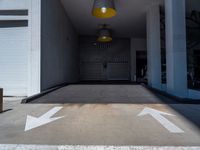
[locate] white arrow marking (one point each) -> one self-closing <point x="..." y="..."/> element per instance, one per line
<point x="162" y="120"/>
<point x="33" y="122"/>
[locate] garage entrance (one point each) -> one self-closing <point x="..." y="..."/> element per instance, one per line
<point x="104" y="61"/>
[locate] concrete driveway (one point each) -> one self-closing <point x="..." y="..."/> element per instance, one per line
<point x="108" y="124"/>
<point x="103" y="93"/>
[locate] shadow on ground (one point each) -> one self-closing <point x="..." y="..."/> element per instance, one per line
<point x="103" y="93"/>
<point x="117" y="93"/>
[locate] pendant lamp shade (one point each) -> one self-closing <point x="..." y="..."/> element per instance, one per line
<point x="104" y="35"/>
<point x="104" y="9"/>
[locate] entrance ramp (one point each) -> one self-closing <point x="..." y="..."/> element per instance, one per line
<point x="103" y="93"/>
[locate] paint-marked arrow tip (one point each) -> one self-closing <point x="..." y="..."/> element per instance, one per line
<point x="29" y="121"/>
<point x="147" y="111"/>
<point x="33" y="122"/>
<point x="158" y="115"/>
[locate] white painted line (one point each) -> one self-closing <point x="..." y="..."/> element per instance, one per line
<point x="162" y="120"/>
<point x="33" y="122"/>
<point x="79" y="147"/>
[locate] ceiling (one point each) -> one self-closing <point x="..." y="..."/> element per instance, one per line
<point x="130" y="20"/>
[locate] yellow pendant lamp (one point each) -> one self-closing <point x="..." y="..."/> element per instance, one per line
<point x="104" y="35"/>
<point x="104" y="9"/>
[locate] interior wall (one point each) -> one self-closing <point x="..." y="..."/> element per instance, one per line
<point x="59" y="53"/>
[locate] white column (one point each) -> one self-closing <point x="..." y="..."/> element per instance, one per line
<point x="176" y="47"/>
<point x="153" y="47"/>
<point x="34" y="77"/>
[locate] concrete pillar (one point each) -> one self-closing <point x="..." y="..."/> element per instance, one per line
<point x="154" y="47"/>
<point x="176" y="47"/>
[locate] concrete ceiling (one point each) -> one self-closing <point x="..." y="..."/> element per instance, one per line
<point x="130" y="20"/>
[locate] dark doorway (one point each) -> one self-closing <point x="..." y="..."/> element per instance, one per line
<point x="141" y="57"/>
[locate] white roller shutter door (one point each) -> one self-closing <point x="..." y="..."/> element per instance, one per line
<point x="14" y="50"/>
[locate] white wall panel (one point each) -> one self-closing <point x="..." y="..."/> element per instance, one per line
<point x="20" y="48"/>
<point x="14" y="4"/>
<point x="14" y="47"/>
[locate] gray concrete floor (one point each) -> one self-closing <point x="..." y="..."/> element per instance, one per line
<point x="102" y="124"/>
<point x="103" y="93"/>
